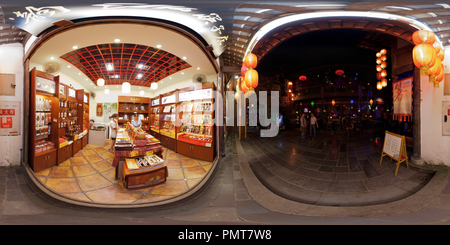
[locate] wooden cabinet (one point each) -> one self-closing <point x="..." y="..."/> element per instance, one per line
<point x="64" y="153"/>
<point x="44" y="160"/>
<point x="131" y="106"/>
<point x="84" y="141"/>
<point x="195" y="151"/>
<point x="76" y="146"/>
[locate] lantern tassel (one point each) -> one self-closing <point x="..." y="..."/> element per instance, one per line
<point x="424" y="70"/>
<point x="436" y="84"/>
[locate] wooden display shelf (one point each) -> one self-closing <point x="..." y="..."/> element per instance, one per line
<point x="141" y="177"/>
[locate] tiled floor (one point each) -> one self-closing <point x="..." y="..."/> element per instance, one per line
<point x="89" y="176"/>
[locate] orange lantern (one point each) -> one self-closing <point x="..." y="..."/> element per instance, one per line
<point x="435" y="70"/>
<point x="378" y="55"/>
<point x="383" y="51"/>
<point x="339" y="72"/>
<point x="423" y="36"/>
<point x="379" y="76"/>
<point x="333" y="102"/>
<point x="379" y="86"/>
<point x="250" y="60"/>
<point x="439" y="77"/>
<point x="383" y="64"/>
<point x="379" y="68"/>
<point x="383" y="57"/>
<point x="424" y="57"/>
<point x="378" y="61"/>
<point x="383" y="82"/>
<point x="251" y="79"/>
<point x="243" y="87"/>
<point x="371" y="102"/>
<point x="441" y="54"/>
<point x="383" y="73"/>
<point x="302" y="78"/>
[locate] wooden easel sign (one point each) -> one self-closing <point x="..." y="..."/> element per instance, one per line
<point x="395" y="147"/>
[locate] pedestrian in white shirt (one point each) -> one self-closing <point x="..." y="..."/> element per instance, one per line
<point x="314" y="125"/>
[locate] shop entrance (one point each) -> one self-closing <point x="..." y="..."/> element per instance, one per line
<point x="81" y="76"/>
<point x="327" y="67"/>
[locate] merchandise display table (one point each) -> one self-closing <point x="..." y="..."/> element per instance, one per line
<point x="138" y="151"/>
<point x="145" y="171"/>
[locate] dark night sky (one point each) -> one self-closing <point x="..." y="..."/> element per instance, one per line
<point x="318" y="48"/>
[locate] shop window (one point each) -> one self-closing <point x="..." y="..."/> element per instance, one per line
<point x="7" y="84"/>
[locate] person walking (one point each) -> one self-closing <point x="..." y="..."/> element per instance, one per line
<point x="303" y="125"/>
<point x="313" y="125"/>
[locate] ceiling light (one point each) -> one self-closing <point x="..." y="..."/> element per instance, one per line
<point x="68" y="66"/>
<point x="109" y="67"/>
<point x="198" y="68"/>
<point x="116" y="76"/>
<point x="140" y="66"/>
<point x="106" y="91"/>
<point x="126" y="87"/>
<point x="154" y="86"/>
<point x="75" y="47"/>
<point x="158" y="46"/>
<point x="182" y="73"/>
<point x="141" y="92"/>
<point x="139" y="76"/>
<point x="79" y="73"/>
<point x="184" y="57"/>
<point x="116" y="40"/>
<point x="101" y="82"/>
<point x="51" y="58"/>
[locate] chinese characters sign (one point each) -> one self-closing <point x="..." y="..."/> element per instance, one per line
<point x="9" y="118"/>
<point x="402" y="99"/>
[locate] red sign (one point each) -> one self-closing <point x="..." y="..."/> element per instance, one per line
<point x="11" y="112"/>
<point x="6" y="122"/>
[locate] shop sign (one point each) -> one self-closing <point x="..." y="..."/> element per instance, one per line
<point x="9" y="118"/>
<point x="402" y="99"/>
<point x="195" y="95"/>
<point x="168" y="99"/>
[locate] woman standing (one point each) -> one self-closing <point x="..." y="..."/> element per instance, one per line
<point x="114" y="124"/>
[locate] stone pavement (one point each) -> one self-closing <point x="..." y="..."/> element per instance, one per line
<point x="236" y="195"/>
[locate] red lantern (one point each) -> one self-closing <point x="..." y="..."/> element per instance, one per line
<point x="379" y="68"/>
<point x="383" y="73"/>
<point x="302" y="78"/>
<point x="424" y="57"/>
<point x="383" y="64"/>
<point x="243" y="70"/>
<point x="250" y="60"/>
<point x="333" y="102"/>
<point x="441" y="54"/>
<point x="251" y="79"/>
<point x="379" y="76"/>
<point x="383" y="51"/>
<point x="339" y="72"/>
<point x="423" y="36"/>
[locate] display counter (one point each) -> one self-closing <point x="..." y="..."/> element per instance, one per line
<point x="97" y="137"/>
<point x="133" y="143"/>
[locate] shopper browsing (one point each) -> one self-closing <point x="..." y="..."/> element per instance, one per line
<point x="114" y="124"/>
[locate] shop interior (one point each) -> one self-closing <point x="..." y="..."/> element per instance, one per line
<point x="78" y="81"/>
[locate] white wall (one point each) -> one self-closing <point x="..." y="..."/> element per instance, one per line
<point x="435" y="148"/>
<point x="11" y="56"/>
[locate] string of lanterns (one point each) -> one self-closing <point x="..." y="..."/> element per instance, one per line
<point x="428" y="55"/>
<point x="248" y="80"/>
<point x="381" y="69"/>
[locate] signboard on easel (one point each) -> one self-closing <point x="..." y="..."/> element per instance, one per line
<point x="395" y="147"/>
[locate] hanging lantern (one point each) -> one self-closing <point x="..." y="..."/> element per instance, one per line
<point x="435" y="70"/>
<point x="302" y="78"/>
<point x="423" y="36"/>
<point x="371" y="102"/>
<point x="251" y="80"/>
<point x="243" y="70"/>
<point x="383" y="73"/>
<point x="378" y="61"/>
<point x="379" y="76"/>
<point x="243" y="87"/>
<point x="379" y="86"/>
<point x="154" y="86"/>
<point x="339" y="72"/>
<point x="424" y="57"/>
<point x="383" y="51"/>
<point x="100" y="82"/>
<point x="250" y="60"/>
<point x="383" y="58"/>
<point x="378" y="55"/>
<point x="126" y="87"/>
<point x="439" y="77"/>
<point x="383" y="64"/>
<point x="333" y="102"/>
<point x="383" y="82"/>
<point x="441" y="54"/>
<point x="379" y="68"/>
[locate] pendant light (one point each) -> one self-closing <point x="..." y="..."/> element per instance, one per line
<point x="126" y="87"/>
<point x="100" y="82"/>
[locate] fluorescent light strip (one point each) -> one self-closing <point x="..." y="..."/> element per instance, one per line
<point x="323" y="14"/>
